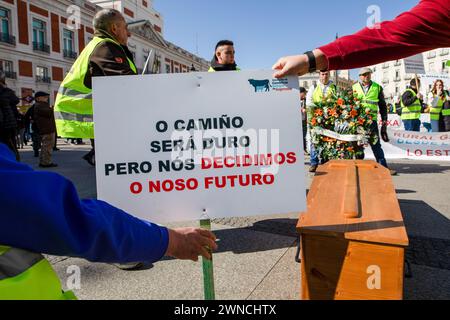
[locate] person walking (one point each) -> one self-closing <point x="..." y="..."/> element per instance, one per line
<point x="45" y="123"/>
<point x="439" y="98"/>
<point x="8" y="115"/>
<point x="372" y="98"/>
<point x="106" y="55"/>
<point x="412" y="106"/>
<point x="316" y="94"/>
<point x="21" y="141"/>
<point x="30" y="123"/>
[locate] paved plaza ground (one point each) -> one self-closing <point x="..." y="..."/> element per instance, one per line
<point x="256" y="256"/>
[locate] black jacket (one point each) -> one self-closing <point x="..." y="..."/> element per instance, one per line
<point x="44" y="118"/>
<point x="408" y="99"/>
<point x="8" y="109"/>
<point x="108" y="59"/>
<point x="29" y="120"/>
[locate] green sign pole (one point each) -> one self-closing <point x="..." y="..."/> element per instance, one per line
<point x="208" y="271"/>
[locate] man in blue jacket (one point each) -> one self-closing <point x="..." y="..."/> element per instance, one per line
<point x="40" y="212"/>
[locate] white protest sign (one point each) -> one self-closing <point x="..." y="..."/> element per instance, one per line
<point x="416" y="146"/>
<point x="427" y="81"/>
<point x="415" y="64"/>
<point x="170" y="146"/>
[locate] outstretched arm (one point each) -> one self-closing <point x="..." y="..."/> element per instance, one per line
<point x="41" y="212"/>
<point x="423" y="28"/>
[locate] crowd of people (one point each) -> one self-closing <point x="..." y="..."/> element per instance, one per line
<point x="38" y="123"/>
<point x="410" y="107"/>
<point x="371" y="96"/>
<point x="436" y="104"/>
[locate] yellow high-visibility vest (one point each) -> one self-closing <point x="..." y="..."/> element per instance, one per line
<point x="73" y="106"/>
<point x="413" y="111"/>
<point x="26" y="275"/>
<point x="370" y="99"/>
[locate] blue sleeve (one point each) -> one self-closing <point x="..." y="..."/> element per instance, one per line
<point x="41" y="212"/>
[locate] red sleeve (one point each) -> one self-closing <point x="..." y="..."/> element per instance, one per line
<point x="425" y="27"/>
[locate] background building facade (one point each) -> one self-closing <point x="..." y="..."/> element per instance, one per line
<point x="40" y="40"/>
<point x="391" y="75"/>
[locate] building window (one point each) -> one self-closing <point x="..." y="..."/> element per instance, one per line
<point x="40" y="36"/>
<point x="69" y="44"/>
<point x="42" y="75"/>
<point x="4" y="19"/>
<point x="168" y="68"/>
<point x="5" y="27"/>
<point x="8" y="68"/>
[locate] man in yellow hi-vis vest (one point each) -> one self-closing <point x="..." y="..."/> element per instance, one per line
<point x="371" y="96"/>
<point x="412" y="107"/>
<point x="324" y="89"/>
<point x="223" y="59"/>
<point x="106" y="55"/>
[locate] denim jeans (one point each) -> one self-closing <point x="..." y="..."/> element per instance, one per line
<point x="412" y="125"/>
<point x="379" y="153"/>
<point x="314" y="156"/>
<point x="434" y="125"/>
<point x="376" y="148"/>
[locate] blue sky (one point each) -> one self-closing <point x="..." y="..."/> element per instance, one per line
<point x="264" y="30"/>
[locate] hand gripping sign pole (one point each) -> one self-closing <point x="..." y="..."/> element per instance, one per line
<point x="208" y="271"/>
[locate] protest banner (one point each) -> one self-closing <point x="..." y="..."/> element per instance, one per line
<point x="395" y="122"/>
<point x="170" y="146"/>
<point x="416" y="146"/>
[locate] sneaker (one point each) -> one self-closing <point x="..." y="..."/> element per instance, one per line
<point x="313" y="169"/>
<point x="129" y="266"/>
<point x="56" y="149"/>
<point x="51" y="165"/>
<point x="393" y="172"/>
